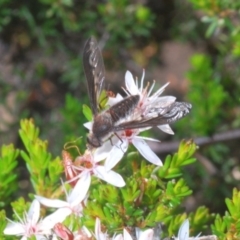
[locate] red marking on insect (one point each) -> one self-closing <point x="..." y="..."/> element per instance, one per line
<point x="128" y="133"/>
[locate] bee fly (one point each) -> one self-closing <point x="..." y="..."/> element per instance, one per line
<point x="106" y="122"/>
<point x="103" y="123"/>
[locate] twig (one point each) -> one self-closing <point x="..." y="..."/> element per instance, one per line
<point x="167" y="147"/>
<point x="210" y="237"/>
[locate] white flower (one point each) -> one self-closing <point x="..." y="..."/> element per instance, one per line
<point x="121" y="145"/>
<point x="65" y="233"/>
<point x="99" y="235"/>
<point x="144" y="235"/>
<point x="72" y="205"/>
<point x="31" y="225"/>
<point x="140" y="235"/>
<point x="145" y="108"/>
<point x="149" y="105"/>
<point x="183" y="233"/>
<point x="88" y="164"/>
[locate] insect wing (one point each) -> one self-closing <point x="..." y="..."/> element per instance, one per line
<point x="94" y="71"/>
<point x="174" y="112"/>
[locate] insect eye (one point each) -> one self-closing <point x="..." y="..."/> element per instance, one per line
<point x="93" y="141"/>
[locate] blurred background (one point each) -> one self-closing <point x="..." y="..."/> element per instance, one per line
<point x="193" y="44"/>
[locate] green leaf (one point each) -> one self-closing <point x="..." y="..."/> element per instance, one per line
<point x="8" y="174"/>
<point x="87" y="112"/>
<point x="44" y="176"/>
<point x="212" y="27"/>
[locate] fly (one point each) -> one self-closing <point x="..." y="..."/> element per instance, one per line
<point x="107" y="122"/>
<point x="104" y="122"/>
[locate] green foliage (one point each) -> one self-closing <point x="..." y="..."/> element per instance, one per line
<point x="201" y="219"/>
<point x="20" y="207"/>
<point x="228" y="226"/>
<point x="8" y="176"/>
<point x="207" y="95"/>
<point x="102" y="101"/>
<point x="214" y="23"/>
<point x="172" y="165"/>
<point x="44" y="171"/>
<point x="72" y="110"/>
<point x="130" y="14"/>
<point x="151" y="195"/>
<point x="214" y="92"/>
<point x="220" y="17"/>
<point x="2" y="223"/>
<point x="46" y="18"/>
<point x="87" y="112"/>
<point x="147" y="197"/>
<point x="73" y="74"/>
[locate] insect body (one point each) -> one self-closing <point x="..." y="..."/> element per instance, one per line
<point x="103" y="123"/>
<point x="108" y="122"/>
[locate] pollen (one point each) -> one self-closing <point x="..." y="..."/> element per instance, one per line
<point x="88" y="164"/>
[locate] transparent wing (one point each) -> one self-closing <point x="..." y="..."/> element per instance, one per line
<point x="94" y="71"/>
<point x="172" y="113"/>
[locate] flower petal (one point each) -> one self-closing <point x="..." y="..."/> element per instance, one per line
<point x="109" y="176"/>
<point x="55" y="203"/>
<point x="146" y="151"/>
<point x="102" y="152"/>
<point x="88" y="125"/>
<point x="166" y="128"/>
<point x="58" y="216"/>
<point x="113" y="100"/>
<point x="147" y="138"/>
<point x="118" y="237"/>
<point x="34" y="212"/>
<point x="126" y="235"/>
<point x="183" y="233"/>
<point x="160" y="90"/>
<point x="130" y="84"/>
<point x="97" y="228"/>
<point x="116" y="154"/>
<point x="165" y="101"/>
<point x="14" y="228"/>
<point x="99" y="235"/>
<point x="146" y="235"/>
<point x="86" y="232"/>
<point x="42" y="237"/>
<point x="80" y="190"/>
